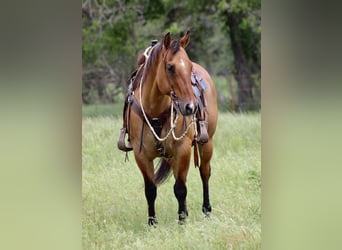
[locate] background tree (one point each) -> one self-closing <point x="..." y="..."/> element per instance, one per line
<point x="242" y="19"/>
<point x="225" y="38"/>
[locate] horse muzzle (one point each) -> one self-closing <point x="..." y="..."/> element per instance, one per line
<point x="186" y="109"/>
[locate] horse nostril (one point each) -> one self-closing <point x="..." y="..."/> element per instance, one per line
<point x="189" y="108"/>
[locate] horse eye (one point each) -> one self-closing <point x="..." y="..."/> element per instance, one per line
<point x="170" y="68"/>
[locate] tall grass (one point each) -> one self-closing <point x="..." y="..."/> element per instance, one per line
<point x="96" y="110"/>
<point x="114" y="205"/>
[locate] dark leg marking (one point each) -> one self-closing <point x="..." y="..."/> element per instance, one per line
<point x="180" y="192"/>
<point x="151" y="194"/>
<point x="206" y="207"/>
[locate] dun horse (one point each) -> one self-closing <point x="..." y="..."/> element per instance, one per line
<point x="170" y="107"/>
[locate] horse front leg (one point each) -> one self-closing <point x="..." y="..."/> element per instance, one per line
<point x="180" y="192"/>
<point x="206" y="152"/>
<point x="205" y="175"/>
<point x="151" y="194"/>
<point x="147" y="170"/>
<point x="181" y="169"/>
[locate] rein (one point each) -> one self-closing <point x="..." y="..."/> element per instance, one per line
<point x="173" y="121"/>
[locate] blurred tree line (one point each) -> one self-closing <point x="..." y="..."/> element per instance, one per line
<point x="225" y="38"/>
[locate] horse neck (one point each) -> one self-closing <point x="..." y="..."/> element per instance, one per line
<point x="153" y="101"/>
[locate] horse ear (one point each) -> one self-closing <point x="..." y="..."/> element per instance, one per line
<point x="167" y="40"/>
<point x="184" y="41"/>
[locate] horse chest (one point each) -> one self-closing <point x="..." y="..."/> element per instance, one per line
<point x="168" y="148"/>
<point x="159" y="148"/>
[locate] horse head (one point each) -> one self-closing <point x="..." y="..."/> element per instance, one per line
<point x="174" y="74"/>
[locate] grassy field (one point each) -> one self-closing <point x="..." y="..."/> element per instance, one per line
<point x="114" y="205"/>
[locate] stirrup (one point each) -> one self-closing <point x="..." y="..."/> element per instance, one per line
<point x="203" y="133"/>
<point x="121" y="142"/>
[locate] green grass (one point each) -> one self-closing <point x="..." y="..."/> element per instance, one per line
<point x="98" y="110"/>
<point x="114" y="205"/>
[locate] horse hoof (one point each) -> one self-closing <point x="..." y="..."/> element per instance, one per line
<point x="152" y="221"/>
<point x="181" y="222"/>
<point x="207" y="215"/>
<point x="182" y="217"/>
<point x="206" y="211"/>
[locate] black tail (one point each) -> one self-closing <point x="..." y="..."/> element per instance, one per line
<point x="163" y="172"/>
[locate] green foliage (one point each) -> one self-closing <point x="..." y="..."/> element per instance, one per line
<point x="174" y="29"/>
<point x="249" y="12"/>
<point x="90" y="45"/>
<point x="115" y="32"/>
<point x="224" y="92"/>
<point x="114" y="205"/>
<point x="154" y="9"/>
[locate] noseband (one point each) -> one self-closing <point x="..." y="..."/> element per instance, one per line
<point x="174" y="100"/>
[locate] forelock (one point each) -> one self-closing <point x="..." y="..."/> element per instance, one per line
<point x="174" y="47"/>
